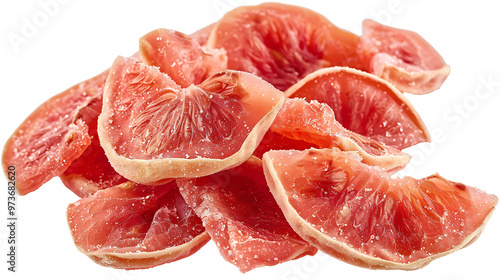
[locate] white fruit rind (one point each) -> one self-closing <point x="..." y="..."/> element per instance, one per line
<point x="141" y="260"/>
<point x="427" y="80"/>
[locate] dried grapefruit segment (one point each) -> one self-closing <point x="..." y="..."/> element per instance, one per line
<point x="54" y="135"/>
<point x="132" y="226"/>
<point x="357" y="213"/>
<point x="242" y="217"/>
<point x="402" y="57"/>
<point x="152" y="129"/>
<point x="181" y="57"/>
<point x="365" y="104"/>
<point x="282" y="43"/>
<point x="315" y="123"/>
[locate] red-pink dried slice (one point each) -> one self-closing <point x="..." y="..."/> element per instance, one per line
<point x="181" y="57"/>
<point x="357" y="213"/>
<point x="132" y="226"/>
<point x="242" y="217"/>
<point x="365" y="104"/>
<point x="151" y="129"/>
<point x="401" y="57"/>
<point x="51" y="137"/>
<point x="315" y="123"/>
<point x="282" y="43"/>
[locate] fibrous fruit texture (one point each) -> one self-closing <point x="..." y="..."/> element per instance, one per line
<point x="272" y="132"/>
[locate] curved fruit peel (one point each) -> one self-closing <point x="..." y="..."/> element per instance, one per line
<point x="146" y="260"/>
<point x="335" y="244"/>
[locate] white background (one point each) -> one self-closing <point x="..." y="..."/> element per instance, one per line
<point x="79" y="39"/>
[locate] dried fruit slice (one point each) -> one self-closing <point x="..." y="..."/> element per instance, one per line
<point x="401" y="57"/>
<point x="242" y="217"/>
<point x="357" y="213"/>
<point x="365" y="104"/>
<point x="181" y="57"/>
<point x="282" y="43"/>
<point x="152" y="129"/>
<point x="315" y="123"/>
<point x="54" y="135"/>
<point x="131" y="226"/>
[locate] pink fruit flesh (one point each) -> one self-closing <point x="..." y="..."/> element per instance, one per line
<point x="181" y="113"/>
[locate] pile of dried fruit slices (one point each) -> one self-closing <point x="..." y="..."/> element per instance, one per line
<point x="274" y="138"/>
